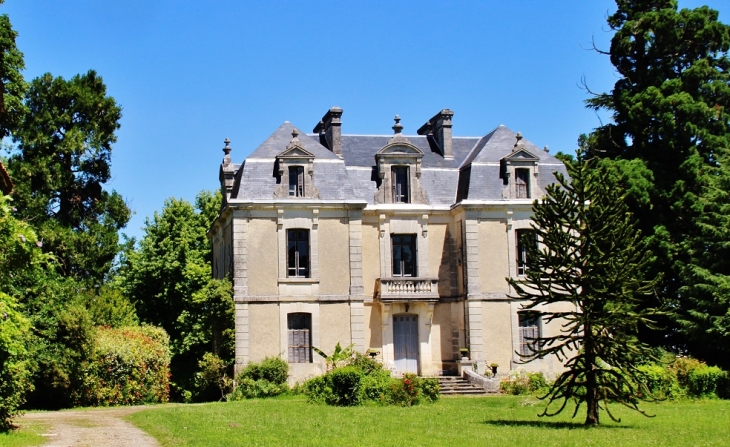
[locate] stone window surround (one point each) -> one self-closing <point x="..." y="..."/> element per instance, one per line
<point x="310" y="285"/>
<point x="389" y="225"/>
<point x="534" y="172"/>
<point x="297" y="307"/>
<point x="399" y="154"/>
<point x="284" y="162"/>
<point x="512" y="244"/>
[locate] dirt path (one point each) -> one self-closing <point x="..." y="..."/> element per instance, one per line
<point x="91" y="428"/>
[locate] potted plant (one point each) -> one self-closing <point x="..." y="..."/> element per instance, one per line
<point x="494" y="367"/>
<point x="464" y="353"/>
<point x="373" y="353"/>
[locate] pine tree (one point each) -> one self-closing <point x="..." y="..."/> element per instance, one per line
<point x="671" y="123"/>
<point x="587" y="273"/>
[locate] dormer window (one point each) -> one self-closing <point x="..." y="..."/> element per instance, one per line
<point x="400" y="184"/>
<point x="522" y="183"/>
<point x="296" y="181"/>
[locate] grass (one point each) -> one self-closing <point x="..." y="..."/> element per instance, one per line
<point x="28" y="434"/>
<point x="502" y="420"/>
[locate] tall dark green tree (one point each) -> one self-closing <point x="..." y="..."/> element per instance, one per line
<point x="60" y="167"/>
<point x="671" y="113"/>
<point x="587" y="276"/>
<point x="12" y="84"/>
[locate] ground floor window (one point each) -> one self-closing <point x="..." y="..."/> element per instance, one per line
<point x="300" y="337"/>
<point x="529" y="331"/>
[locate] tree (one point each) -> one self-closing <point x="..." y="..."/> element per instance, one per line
<point x="60" y="165"/>
<point x="12" y="84"/>
<point x="168" y="278"/>
<point x="587" y="274"/>
<point x="671" y="113"/>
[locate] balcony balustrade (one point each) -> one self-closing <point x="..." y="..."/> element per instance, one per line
<point x="407" y="289"/>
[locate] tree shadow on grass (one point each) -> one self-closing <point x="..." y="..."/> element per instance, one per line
<point x="546" y="424"/>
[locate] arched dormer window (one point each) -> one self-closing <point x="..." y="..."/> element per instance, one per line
<point x="295" y="171"/>
<point x="519" y="171"/>
<point x="399" y="171"/>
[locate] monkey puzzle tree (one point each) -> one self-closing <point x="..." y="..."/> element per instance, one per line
<point x="586" y="275"/>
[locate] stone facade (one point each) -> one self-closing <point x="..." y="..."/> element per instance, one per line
<point x="399" y="245"/>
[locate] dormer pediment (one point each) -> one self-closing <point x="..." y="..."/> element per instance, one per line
<point x="521" y="155"/>
<point x="401" y="149"/>
<point x="295" y="152"/>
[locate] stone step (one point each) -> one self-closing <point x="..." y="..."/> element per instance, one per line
<point x="459" y="385"/>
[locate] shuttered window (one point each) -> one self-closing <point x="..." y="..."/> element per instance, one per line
<point x="296" y="181"/>
<point x="529" y="331"/>
<point x="300" y="337"/>
<point x="522" y="183"/>
<point x="400" y="184"/>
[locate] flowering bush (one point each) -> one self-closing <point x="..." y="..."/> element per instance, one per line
<point x="130" y="366"/>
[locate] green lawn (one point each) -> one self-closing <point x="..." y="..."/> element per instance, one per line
<point x="29" y="434"/>
<point x="493" y="421"/>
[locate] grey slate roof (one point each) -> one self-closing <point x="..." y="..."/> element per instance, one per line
<point x="476" y="165"/>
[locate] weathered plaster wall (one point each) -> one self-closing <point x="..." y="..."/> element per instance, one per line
<point x="370" y="258"/>
<point x="263" y="267"/>
<point x="373" y="329"/>
<point x="493" y="256"/>
<point x="334" y="257"/>
<point x="264" y="331"/>
<point x="335" y="320"/>
<point x="497" y="331"/>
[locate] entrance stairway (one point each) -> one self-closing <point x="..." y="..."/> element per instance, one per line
<point x="454" y="385"/>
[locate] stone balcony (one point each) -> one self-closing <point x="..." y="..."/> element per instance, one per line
<point x="407" y="289"/>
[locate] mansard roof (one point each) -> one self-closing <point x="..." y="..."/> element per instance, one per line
<point x="354" y="176"/>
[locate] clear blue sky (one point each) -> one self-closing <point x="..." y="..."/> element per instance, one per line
<point x="190" y="73"/>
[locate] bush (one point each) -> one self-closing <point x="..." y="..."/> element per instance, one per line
<point x="259" y="380"/>
<point x="130" y="366"/>
<point x="703" y="381"/>
<point x="521" y="382"/>
<point x="272" y="369"/>
<point x="430" y="389"/>
<point x="404" y="392"/>
<point x="661" y="381"/>
<point x="723" y="386"/>
<point x="14" y="360"/>
<point x="319" y="390"/>
<point x="346" y="387"/>
<point x="376" y="385"/>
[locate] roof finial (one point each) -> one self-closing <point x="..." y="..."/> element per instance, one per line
<point x="294" y="134"/>
<point x="546" y="149"/>
<point x="397" y="127"/>
<point x="517" y="143"/>
<point x="227" y="149"/>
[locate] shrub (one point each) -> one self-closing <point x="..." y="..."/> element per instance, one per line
<point x="130" y="366"/>
<point x="319" y="390"/>
<point x="14" y="360"/>
<point x="703" y="381"/>
<point x="723" y="386"/>
<point x="683" y="367"/>
<point x="521" y="382"/>
<point x="272" y="369"/>
<point x="430" y="389"/>
<point x="345" y="383"/>
<point x="661" y="381"/>
<point x="376" y="385"/>
<point x="259" y="380"/>
<point x="404" y="392"/>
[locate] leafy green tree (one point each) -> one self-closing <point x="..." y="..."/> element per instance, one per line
<point x="19" y="251"/>
<point x="60" y="165"/>
<point x="168" y="279"/>
<point x="586" y="275"/>
<point x="12" y="84"/>
<point x="671" y="113"/>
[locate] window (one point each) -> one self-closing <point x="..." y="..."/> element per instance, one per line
<point x="524" y="239"/>
<point x="404" y="254"/>
<point x="522" y="183"/>
<point x="296" y="181"/>
<point x="529" y="332"/>
<point x="297" y="254"/>
<point x="300" y="337"/>
<point x="400" y="184"/>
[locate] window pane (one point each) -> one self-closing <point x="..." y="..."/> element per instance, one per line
<point x="404" y="254"/>
<point x="522" y="183"/>
<point x="297" y="253"/>
<point x="296" y="181"/>
<point x="400" y="184"/>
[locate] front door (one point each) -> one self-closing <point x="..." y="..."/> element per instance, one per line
<point x="405" y="341"/>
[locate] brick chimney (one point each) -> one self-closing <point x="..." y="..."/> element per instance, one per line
<point x="439" y="128"/>
<point x="329" y="130"/>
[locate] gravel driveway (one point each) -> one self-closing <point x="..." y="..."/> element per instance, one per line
<point x="92" y="428"/>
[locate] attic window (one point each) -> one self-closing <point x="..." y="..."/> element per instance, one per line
<point x="522" y="183"/>
<point x="296" y="181"/>
<point x="400" y="184"/>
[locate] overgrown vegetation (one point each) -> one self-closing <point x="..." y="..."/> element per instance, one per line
<point x="265" y="379"/>
<point x="361" y="379"/>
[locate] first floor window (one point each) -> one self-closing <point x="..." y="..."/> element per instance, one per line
<point x="300" y="337"/>
<point x="525" y="238"/>
<point x="522" y="183"/>
<point x="296" y="181"/>
<point x="404" y="254"/>
<point x="400" y="184"/>
<point x="297" y="254"/>
<point x="529" y="331"/>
